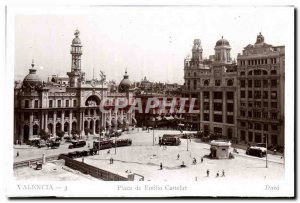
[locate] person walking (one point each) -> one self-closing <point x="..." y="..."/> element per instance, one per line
<point x="18" y="153"/>
<point x="201" y="159"/>
<point x="207" y="173"/>
<point x="223" y="173"/>
<point x="217" y="174"/>
<point x="178" y="156"/>
<point x="161" y="166"/>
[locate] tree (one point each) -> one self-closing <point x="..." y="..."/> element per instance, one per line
<point x="60" y="133"/>
<point x="44" y="135"/>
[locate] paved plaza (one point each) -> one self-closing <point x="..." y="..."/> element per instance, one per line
<point x="144" y="159"/>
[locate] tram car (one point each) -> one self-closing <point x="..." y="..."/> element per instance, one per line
<point x="77" y="144"/>
<point x="172" y="140"/>
<point x="258" y="150"/>
<point x="123" y="142"/>
<point x="102" y="144"/>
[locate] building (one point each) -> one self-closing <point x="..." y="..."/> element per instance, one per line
<point x="60" y="105"/>
<point x="212" y="82"/>
<point x="261" y="69"/>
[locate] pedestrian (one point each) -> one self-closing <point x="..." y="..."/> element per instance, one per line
<point x="112" y="160"/>
<point x="217" y="174"/>
<point x="161" y="166"/>
<point x="223" y="173"/>
<point x="207" y="173"/>
<point x="108" y="152"/>
<point x="178" y="156"/>
<point x="88" y="145"/>
<point x="194" y="160"/>
<point x="17" y="153"/>
<point x="82" y="159"/>
<point x="201" y="159"/>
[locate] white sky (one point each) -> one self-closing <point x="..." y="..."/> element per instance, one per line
<point x="149" y="41"/>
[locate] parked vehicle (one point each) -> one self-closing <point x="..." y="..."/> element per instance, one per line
<point x="258" y="150"/>
<point x="41" y="143"/>
<point x="123" y="142"/>
<point x="103" y="144"/>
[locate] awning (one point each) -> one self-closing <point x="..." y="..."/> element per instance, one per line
<point x="120" y="121"/>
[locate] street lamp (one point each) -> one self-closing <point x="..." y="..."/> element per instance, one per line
<point x="266" y="150"/>
<point x="187" y="139"/>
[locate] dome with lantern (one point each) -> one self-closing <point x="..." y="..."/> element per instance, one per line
<point x="125" y="84"/>
<point x="76" y="40"/>
<point x="222" y="42"/>
<point x="32" y="79"/>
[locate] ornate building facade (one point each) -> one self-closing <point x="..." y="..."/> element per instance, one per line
<point x="261" y="69"/>
<point x="53" y="106"/>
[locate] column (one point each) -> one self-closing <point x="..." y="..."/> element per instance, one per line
<point x="224" y="107"/>
<point x="46" y="121"/>
<point x="62" y="121"/>
<point x="80" y="121"/>
<point x="42" y="126"/>
<point x="201" y="100"/>
<point x="54" y="123"/>
<point x="30" y="125"/>
<point x="94" y="126"/>
<point x="70" y="123"/>
<point x="211" y="106"/>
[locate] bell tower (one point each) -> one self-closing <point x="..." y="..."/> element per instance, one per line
<point x="76" y="75"/>
<point x="197" y="51"/>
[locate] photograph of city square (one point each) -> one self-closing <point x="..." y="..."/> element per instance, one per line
<point x="151" y="94"/>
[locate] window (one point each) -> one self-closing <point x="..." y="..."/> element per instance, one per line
<point x="195" y="84"/>
<point x="274" y="116"/>
<point x="257" y="126"/>
<point x="265" y="83"/>
<point x="243" y="113"/>
<point x="242" y="73"/>
<point x="250" y="104"/>
<point x="217" y="106"/>
<point x="35" y="115"/>
<point x="206" y="82"/>
<point x="257" y="137"/>
<point x="257" y="114"/>
<point x="50" y="114"/>
<point x="242" y="94"/>
<point x="250" y="114"/>
<point x="243" y="135"/>
<point x="230" y="95"/>
<point x="217" y="95"/>
<point x="195" y="74"/>
<point x="250" y="125"/>
<point x="257" y="94"/>
<point x="274" y="139"/>
<point x="249" y="94"/>
<point x="86" y="112"/>
<point x="265" y="104"/>
<point x="274" y="105"/>
<point x="67" y="113"/>
<point x="230" y="119"/>
<point x="74" y="103"/>
<point x="250" y="73"/>
<point x="257" y="72"/>
<point x="274" y="127"/>
<point x="217" y="118"/>
<point x="26" y="116"/>
<point x="50" y="103"/>
<point x="206" y="95"/>
<point x="230" y="83"/>
<point x="257" y="104"/>
<point x="26" y="103"/>
<point x="67" y="103"/>
<point x="206" y="105"/>
<point x="243" y="104"/>
<point x="265" y="95"/>
<point x="249" y="83"/>
<point x="217" y="82"/>
<point x="230" y="107"/>
<point x="273" y="83"/>
<point x="243" y="83"/>
<point x="36" y="104"/>
<point x="206" y="117"/>
<point x="250" y="136"/>
<point x="58" y="114"/>
<point x="266" y="127"/>
<point x="257" y="83"/>
<point x="265" y="115"/>
<point x="273" y="95"/>
<point x="265" y="72"/>
<point x="243" y="124"/>
<point x="59" y="103"/>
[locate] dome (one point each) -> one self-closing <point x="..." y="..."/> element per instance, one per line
<point x="76" y="40"/>
<point x="32" y="79"/>
<point x="125" y="84"/>
<point x="222" y="42"/>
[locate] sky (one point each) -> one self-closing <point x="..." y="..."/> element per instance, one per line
<point x="148" y="41"/>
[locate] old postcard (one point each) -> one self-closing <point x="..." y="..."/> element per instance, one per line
<point x="150" y="101"/>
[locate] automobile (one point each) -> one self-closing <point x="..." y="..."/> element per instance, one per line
<point x="77" y="144"/>
<point x="41" y="143"/>
<point x="258" y="149"/>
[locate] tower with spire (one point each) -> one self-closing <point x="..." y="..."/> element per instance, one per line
<point x="197" y="50"/>
<point x="76" y="75"/>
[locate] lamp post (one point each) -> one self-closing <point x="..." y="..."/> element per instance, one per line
<point x="153" y="133"/>
<point x="266" y="151"/>
<point x="187" y="139"/>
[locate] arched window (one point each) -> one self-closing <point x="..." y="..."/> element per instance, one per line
<point x="206" y="82"/>
<point x="265" y="72"/>
<point x="229" y="82"/>
<point x="250" y="72"/>
<point x="242" y="73"/>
